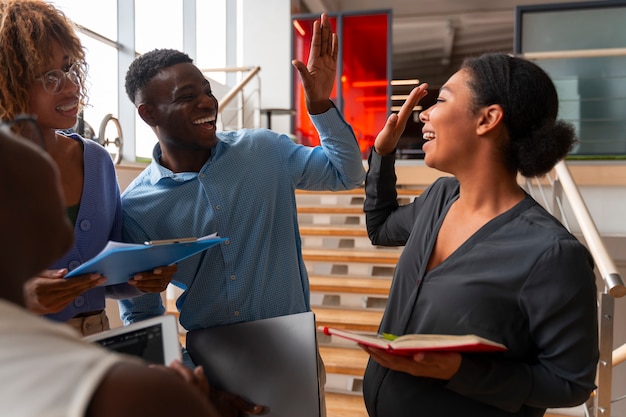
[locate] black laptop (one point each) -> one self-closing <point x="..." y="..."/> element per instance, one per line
<point x="272" y="362"/>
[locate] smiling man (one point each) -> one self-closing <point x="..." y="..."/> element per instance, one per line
<point x="240" y="184"/>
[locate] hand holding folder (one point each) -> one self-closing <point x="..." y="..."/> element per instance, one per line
<point x="119" y="261"/>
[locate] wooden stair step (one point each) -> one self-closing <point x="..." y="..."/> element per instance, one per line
<point x="365" y="320"/>
<point x="374" y="256"/>
<point x="349" y="284"/>
<point x="348" y="230"/>
<point x="355" y="191"/>
<point x="409" y="191"/>
<point x="578" y="410"/>
<point x="170" y="307"/>
<point x="344" y="405"/>
<point x="361" y="192"/>
<point x="330" y="209"/>
<point x="344" y="360"/>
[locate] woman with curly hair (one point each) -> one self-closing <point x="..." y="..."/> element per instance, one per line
<point x="43" y="74"/>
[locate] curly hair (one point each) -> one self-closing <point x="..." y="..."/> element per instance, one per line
<point x="537" y="140"/>
<point x="146" y="66"/>
<point x="28" y="31"/>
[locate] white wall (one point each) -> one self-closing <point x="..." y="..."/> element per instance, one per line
<point x="606" y="205"/>
<point x="264" y="39"/>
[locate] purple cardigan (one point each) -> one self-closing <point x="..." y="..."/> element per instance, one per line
<point x="99" y="220"/>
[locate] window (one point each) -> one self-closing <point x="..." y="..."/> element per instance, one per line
<point x="99" y="17"/>
<point x="586" y="66"/>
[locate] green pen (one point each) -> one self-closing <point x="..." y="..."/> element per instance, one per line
<point x="387" y="336"/>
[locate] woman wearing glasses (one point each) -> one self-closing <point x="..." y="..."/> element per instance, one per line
<point x="42" y="73"/>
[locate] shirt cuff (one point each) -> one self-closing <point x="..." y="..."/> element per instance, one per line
<point x="329" y="122"/>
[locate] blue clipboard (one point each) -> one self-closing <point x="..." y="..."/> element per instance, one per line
<point x="119" y="261"/>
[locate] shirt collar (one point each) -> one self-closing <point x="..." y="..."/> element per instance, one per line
<point x="159" y="172"/>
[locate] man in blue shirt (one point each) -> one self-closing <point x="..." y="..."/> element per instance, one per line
<point x="240" y="184"/>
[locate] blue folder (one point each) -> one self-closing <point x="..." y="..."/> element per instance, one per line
<point x="119" y="261"/>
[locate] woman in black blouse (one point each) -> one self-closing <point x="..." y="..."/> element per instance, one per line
<point x="481" y="256"/>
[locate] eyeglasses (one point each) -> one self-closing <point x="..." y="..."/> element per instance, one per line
<point x="25" y="125"/>
<point x="53" y="81"/>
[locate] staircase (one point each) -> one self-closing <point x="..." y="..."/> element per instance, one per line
<point x="349" y="281"/>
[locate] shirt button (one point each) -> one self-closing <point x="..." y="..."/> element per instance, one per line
<point x="85" y="225"/>
<point x="73" y="265"/>
<point x="232" y="277"/>
<point x="236" y="313"/>
<point x="202" y="175"/>
<point x="79" y="301"/>
<point x="227" y="242"/>
<point x="218" y="207"/>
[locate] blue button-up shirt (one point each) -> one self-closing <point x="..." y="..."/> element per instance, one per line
<point x="245" y="192"/>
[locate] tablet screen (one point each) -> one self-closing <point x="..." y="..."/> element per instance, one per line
<point x="155" y="340"/>
<point x="146" y="343"/>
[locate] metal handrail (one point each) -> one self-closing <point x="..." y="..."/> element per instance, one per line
<point x="237" y="91"/>
<point x="563" y="183"/>
<point x="238" y="88"/>
<point x="609" y="272"/>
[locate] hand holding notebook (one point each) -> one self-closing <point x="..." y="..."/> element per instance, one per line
<point x="412" y="343"/>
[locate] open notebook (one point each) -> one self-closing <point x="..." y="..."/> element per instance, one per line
<point x="272" y="362"/>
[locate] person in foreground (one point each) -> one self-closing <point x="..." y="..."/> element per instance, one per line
<point x="481" y="256"/>
<point x="42" y="73"/>
<point x="47" y="370"/>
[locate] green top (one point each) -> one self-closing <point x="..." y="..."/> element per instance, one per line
<point x="72" y="213"/>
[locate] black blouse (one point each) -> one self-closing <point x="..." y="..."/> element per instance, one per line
<point x="522" y="280"/>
